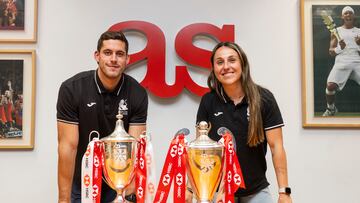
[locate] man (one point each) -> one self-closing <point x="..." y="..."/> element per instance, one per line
<point x="11" y="12"/>
<point x="2" y="13"/>
<point x="3" y="120"/>
<point x="89" y="101"/>
<point x="9" y="109"/>
<point x="9" y="93"/>
<point x="347" y="60"/>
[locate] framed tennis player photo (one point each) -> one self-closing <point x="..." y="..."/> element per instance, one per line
<point x="330" y="34"/>
<point x="18" y="21"/>
<point x="17" y="99"/>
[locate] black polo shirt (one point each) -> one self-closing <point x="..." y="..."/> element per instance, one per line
<point x="221" y="112"/>
<point x="84" y="101"/>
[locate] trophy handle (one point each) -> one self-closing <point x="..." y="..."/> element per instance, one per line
<point x="183" y="131"/>
<point x="144" y="135"/>
<point x="96" y="136"/>
<point x="223" y="130"/>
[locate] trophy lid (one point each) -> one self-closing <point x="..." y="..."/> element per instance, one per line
<point x="203" y="140"/>
<point x="119" y="134"/>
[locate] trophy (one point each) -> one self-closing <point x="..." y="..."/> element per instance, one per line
<point x="330" y="24"/>
<point x="119" y="158"/>
<point x="204" y="164"/>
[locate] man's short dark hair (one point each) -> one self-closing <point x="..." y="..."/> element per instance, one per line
<point x="116" y="35"/>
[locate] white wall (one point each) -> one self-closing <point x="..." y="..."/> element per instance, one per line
<point x="323" y="164"/>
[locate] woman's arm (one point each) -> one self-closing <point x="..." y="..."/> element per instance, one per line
<point x="275" y="141"/>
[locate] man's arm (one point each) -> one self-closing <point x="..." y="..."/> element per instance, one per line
<point x="334" y="50"/>
<point x="357" y="40"/>
<point x="275" y="141"/>
<point x="68" y="138"/>
<point x="136" y="130"/>
<point x="333" y="45"/>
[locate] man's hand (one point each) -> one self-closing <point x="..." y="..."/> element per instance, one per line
<point x="188" y="196"/>
<point x="130" y="189"/>
<point x="220" y="195"/>
<point x="357" y="40"/>
<point x="342" y="44"/>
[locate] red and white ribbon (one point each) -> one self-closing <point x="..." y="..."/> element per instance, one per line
<point x="233" y="176"/>
<point x="91" y="173"/>
<point x="151" y="173"/>
<point x="174" y="167"/>
<point x="180" y="172"/>
<point x="141" y="171"/>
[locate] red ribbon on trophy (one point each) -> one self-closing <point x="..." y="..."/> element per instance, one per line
<point x="140" y="170"/>
<point x="233" y="175"/>
<point x="150" y="171"/>
<point x="91" y="173"/>
<point x="180" y="172"/>
<point x="174" y="167"/>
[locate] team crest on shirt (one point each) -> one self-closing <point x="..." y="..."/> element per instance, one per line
<point x="123" y="107"/>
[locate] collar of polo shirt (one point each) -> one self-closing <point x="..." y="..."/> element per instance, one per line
<point x="100" y="87"/>
<point x="227" y="99"/>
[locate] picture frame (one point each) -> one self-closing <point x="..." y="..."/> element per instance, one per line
<point x="317" y="64"/>
<point x="18" y="21"/>
<point x="17" y="103"/>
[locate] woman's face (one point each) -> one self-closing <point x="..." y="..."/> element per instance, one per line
<point x="227" y="66"/>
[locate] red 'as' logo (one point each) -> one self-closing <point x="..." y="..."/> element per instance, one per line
<point x="154" y="54"/>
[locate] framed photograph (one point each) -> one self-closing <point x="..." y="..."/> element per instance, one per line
<point x="18" y="21"/>
<point x="330" y="63"/>
<point x="17" y="99"/>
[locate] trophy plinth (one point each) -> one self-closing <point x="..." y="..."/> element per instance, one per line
<point x="119" y="157"/>
<point x="204" y="164"/>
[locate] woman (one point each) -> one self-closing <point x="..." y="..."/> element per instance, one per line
<point x="252" y="114"/>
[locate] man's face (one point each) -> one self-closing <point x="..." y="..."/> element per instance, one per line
<point x="7" y="93"/>
<point x="112" y="59"/>
<point x="348" y="17"/>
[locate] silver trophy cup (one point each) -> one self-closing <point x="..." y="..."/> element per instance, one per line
<point x="119" y="159"/>
<point x="204" y="164"/>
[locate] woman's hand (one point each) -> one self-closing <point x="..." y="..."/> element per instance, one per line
<point x="220" y="195"/>
<point x="284" y="198"/>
